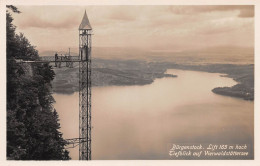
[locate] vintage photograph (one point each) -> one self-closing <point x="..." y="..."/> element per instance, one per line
<point x="130" y="82"/>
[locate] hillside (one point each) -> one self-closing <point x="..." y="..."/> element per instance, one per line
<point x="133" y="72"/>
<point x="107" y="73"/>
<point x="131" y="66"/>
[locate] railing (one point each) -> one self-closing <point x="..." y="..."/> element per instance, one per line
<point x="48" y="59"/>
<point x="60" y="59"/>
<point x="73" y="142"/>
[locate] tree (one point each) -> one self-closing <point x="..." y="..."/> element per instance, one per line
<point x="32" y="123"/>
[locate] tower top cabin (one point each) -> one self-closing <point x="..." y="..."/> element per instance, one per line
<point x="85" y="31"/>
<point x="85" y="24"/>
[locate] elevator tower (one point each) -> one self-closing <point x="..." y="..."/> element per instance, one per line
<point x="85" y="32"/>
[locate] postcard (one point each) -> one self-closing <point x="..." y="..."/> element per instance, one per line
<point x="129" y="83"/>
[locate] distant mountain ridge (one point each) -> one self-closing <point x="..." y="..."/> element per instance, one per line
<point x="220" y="54"/>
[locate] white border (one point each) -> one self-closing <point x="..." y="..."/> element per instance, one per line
<point x="3" y="161"/>
<point x="132" y="2"/>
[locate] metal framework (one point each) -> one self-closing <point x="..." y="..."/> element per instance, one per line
<point x="85" y="31"/>
<point x="73" y="142"/>
<point x="84" y="59"/>
<point x="85" y="93"/>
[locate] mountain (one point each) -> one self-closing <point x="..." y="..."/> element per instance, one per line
<point x="223" y="54"/>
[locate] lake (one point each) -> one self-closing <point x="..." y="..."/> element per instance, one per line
<point x="141" y="122"/>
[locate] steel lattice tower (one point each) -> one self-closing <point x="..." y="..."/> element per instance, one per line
<point x="85" y="31"/>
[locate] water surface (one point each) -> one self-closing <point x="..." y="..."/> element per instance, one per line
<point x="139" y="122"/>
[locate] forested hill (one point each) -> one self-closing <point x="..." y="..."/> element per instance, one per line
<point x="32" y="123"/>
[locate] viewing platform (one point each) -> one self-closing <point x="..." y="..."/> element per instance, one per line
<point x="48" y="59"/>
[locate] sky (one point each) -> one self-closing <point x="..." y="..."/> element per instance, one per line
<point x="153" y="27"/>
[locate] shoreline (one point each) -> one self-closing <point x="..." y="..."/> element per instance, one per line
<point x="141" y="73"/>
<point x="69" y="91"/>
<point x="242" y="74"/>
<point x="233" y="91"/>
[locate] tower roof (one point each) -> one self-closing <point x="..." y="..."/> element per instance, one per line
<point x="85" y="25"/>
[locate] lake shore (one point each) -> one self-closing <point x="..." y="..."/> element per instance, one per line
<point x="127" y="73"/>
<point x="242" y="74"/>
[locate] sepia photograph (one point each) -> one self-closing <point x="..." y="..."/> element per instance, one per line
<point x="130" y="82"/>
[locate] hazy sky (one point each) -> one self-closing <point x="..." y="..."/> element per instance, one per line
<point x="157" y="27"/>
